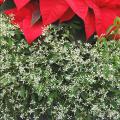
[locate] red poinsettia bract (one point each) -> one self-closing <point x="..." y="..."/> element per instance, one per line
<point x="1" y="1"/>
<point x="97" y="15"/>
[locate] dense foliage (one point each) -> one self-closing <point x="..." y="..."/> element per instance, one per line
<point x="58" y="80"/>
<point x="33" y="15"/>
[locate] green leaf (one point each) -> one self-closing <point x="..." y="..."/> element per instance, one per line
<point x="8" y="4"/>
<point x="104" y="43"/>
<point x="36" y="16"/>
<point x="110" y="29"/>
<point x="117" y="21"/>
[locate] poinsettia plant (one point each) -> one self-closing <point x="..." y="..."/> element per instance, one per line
<point x="33" y="15"/>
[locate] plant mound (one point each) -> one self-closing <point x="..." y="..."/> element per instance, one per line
<point x="59" y="80"/>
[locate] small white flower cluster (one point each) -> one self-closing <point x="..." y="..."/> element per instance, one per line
<point x="59" y="80"/>
<point x="6" y="30"/>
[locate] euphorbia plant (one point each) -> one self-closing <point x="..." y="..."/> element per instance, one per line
<point x="33" y="15"/>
